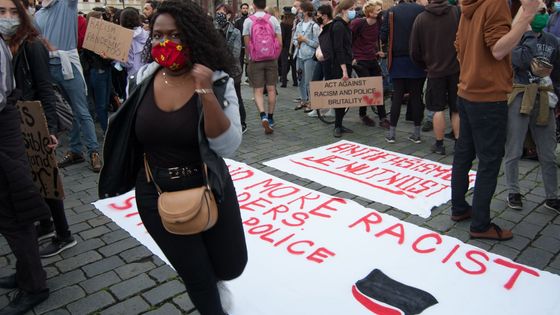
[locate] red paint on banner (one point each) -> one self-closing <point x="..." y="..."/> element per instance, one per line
<point x="240" y="174"/>
<point x="518" y="270"/>
<point x="127" y="204"/>
<point x="396" y="230"/>
<point x="395" y="192"/>
<point x="435" y="236"/>
<point x="471" y="255"/>
<point x="373" y="305"/>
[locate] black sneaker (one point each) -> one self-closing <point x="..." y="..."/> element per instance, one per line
<point x="514" y="201"/>
<point x="553" y="204"/>
<point x="44" y="232"/>
<point x="450" y="135"/>
<point x="24" y="302"/>
<point x="414" y="138"/>
<point x="56" y="246"/>
<point x="427" y="126"/>
<point x="438" y="149"/>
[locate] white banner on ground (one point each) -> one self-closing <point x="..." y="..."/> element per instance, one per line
<point x="311" y="253"/>
<point x="408" y="183"/>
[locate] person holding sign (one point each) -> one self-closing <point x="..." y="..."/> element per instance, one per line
<point x="181" y="115"/>
<point x="67" y="72"/>
<point x="31" y="61"/>
<point x="340" y="65"/>
<point x="20" y="202"/>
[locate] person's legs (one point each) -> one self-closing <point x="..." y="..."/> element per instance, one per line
<point x="271" y="78"/>
<point x="284" y="67"/>
<point x="545" y="140"/>
<point x="452" y="82"/>
<point x="83" y="122"/>
<point x="462" y="162"/>
<point x="242" y="112"/>
<point x="436" y="99"/>
<point x="488" y="124"/>
<point x="59" y="217"/>
<point x="362" y="71"/>
<point x="30" y="275"/>
<point x="99" y="83"/>
<point x="186" y="253"/>
<point x="292" y="63"/>
<point x="308" y="68"/>
<point x="398" y="93"/>
<point x="516" y="132"/>
<point x="302" y="88"/>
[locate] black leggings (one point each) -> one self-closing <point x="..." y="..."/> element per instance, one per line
<point x="369" y="68"/>
<point x="242" y="112"/>
<point x="202" y="259"/>
<point x="415" y="105"/>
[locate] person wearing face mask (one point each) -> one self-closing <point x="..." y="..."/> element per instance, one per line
<point x="170" y="96"/>
<point x="405" y="75"/>
<point x="306" y="41"/>
<point x="20" y="202"/>
<point x="339" y="65"/>
<point x="243" y="14"/>
<point x="286" y="63"/>
<point x="553" y="25"/>
<point x="233" y="41"/>
<point x="536" y="66"/>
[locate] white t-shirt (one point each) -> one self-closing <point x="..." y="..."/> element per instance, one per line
<point x="273" y="20"/>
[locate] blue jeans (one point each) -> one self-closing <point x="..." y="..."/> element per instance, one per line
<point x="101" y="89"/>
<point x="75" y="91"/>
<point x="482" y="134"/>
<point x="307" y="66"/>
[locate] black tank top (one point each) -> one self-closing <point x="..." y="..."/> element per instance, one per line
<point x="169" y="139"/>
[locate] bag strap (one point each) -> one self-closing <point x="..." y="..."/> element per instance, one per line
<point x="150" y="176"/>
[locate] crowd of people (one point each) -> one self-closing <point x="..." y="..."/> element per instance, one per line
<point x="496" y="73"/>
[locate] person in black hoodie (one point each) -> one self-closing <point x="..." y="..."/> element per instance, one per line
<point x="432" y="48"/>
<point x="340" y="65"/>
<point x="406" y="77"/>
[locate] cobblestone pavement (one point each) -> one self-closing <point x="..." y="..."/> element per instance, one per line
<point x="109" y="272"/>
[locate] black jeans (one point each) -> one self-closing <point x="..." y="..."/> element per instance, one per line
<point x="369" y="68"/>
<point x="415" y="105"/>
<point x="242" y="112"/>
<point x="482" y="134"/>
<point x="58" y="218"/>
<point x="202" y="259"/>
<point x="335" y="72"/>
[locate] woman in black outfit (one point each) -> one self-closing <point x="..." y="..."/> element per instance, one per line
<point x="181" y="112"/>
<point x="285" y="60"/>
<point x="31" y="72"/>
<point x="340" y="65"/>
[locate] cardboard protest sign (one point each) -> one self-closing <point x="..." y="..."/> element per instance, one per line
<point x="409" y="183"/>
<point x="355" y="92"/>
<point x="42" y="159"/>
<point x="108" y="38"/>
<point x="311" y="253"/>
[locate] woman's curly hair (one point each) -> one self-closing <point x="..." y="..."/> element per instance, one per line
<point x="196" y="30"/>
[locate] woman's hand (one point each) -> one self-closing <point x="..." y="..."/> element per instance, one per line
<point x="54" y="142"/>
<point x="202" y="76"/>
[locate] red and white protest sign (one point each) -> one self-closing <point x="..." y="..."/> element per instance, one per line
<point x="311" y="253"/>
<point x="408" y="183"/>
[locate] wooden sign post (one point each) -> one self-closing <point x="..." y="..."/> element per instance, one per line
<point x="108" y="38"/>
<point x="42" y="159"/>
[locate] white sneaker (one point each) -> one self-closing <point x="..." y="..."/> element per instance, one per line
<point x="330" y="113"/>
<point x="312" y="113"/>
<point x="225" y="296"/>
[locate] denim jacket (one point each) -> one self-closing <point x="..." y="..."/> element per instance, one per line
<point x="233" y="42"/>
<point x="307" y="49"/>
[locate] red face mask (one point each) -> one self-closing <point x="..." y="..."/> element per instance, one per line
<point x="169" y="54"/>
